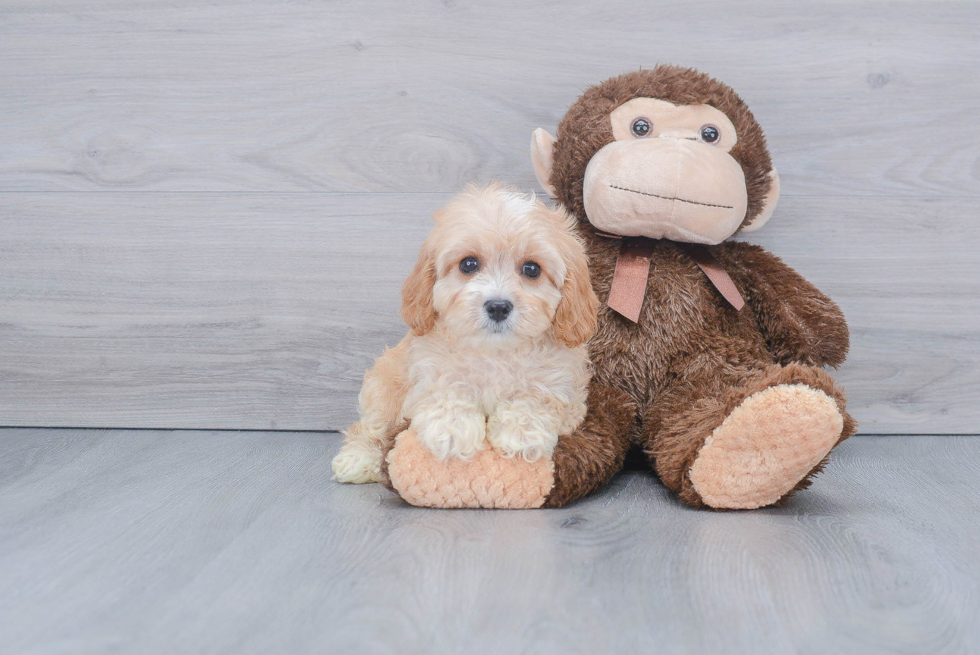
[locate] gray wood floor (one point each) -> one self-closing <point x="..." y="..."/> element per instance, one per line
<point x="225" y="542"/>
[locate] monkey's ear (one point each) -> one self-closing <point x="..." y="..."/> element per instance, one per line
<point x="768" y="204"/>
<point x="542" y="156"/>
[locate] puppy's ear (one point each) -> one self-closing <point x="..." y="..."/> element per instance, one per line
<point x="418" y="311"/>
<point x="575" y="318"/>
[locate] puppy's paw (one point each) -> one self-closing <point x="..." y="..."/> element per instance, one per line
<point x="357" y="463"/>
<point x="460" y="433"/>
<point x="520" y="435"/>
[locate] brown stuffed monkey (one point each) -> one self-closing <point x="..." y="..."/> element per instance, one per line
<point x="709" y="352"/>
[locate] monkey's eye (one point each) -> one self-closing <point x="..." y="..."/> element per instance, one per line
<point x="641" y="127"/>
<point x="531" y="269"/>
<point x="709" y="133"/>
<point x="469" y="265"/>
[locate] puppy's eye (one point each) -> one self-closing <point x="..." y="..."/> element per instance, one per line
<point x="469" y="265"/>
<point x="531" y="270"/>
<point x="641" y="127"/>
<point x="709" y="133"/>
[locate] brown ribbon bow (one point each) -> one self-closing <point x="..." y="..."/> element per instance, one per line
<point x="629" y="281"/>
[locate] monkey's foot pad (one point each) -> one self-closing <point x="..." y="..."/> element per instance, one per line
<point x="765" y="446"/>
<point x="487" y="480"/>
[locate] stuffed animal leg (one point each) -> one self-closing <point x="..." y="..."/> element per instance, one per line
<point x="582" y="462"/>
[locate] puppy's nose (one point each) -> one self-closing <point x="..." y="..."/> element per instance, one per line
<point x="497" y="309"/>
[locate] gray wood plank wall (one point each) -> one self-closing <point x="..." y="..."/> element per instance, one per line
<point x="207" y="209"/>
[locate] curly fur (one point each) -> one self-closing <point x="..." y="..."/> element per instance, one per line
<point x="463" y="380"/>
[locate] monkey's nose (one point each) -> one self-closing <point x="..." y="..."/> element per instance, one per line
<point x="497" y="309"/>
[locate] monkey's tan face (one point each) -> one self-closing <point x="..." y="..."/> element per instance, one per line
<point x="668" y="174"/>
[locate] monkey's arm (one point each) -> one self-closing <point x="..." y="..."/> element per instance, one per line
<point x="799" y="322"/>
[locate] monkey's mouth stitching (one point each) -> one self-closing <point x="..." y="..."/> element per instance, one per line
<point x="654" y="195"/>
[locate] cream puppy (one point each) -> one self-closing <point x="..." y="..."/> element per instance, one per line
<point x="500" y="305"/>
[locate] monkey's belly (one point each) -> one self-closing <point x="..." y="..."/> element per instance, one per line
<point x="676" y="342"/>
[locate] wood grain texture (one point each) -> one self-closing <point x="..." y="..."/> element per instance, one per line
<point x="207" y="209"/>
<point x="201" y="310"/>
<point x="858" y="98"/>
<point x="180" y="542"/>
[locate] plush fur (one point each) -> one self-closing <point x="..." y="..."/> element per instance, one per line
<point x="669" y="381"/>
<point x="463" y="380"/>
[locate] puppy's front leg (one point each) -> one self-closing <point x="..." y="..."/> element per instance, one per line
<point x="525" y="427"/>
<point x="450" y="426"/>
<point x="381" y="398"/>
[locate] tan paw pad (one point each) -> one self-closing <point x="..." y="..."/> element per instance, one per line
<point x="765" y="446"/>
<point x="487" y="480"/>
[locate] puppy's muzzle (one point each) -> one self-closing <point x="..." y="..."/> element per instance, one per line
<point x="498" y="310"/>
